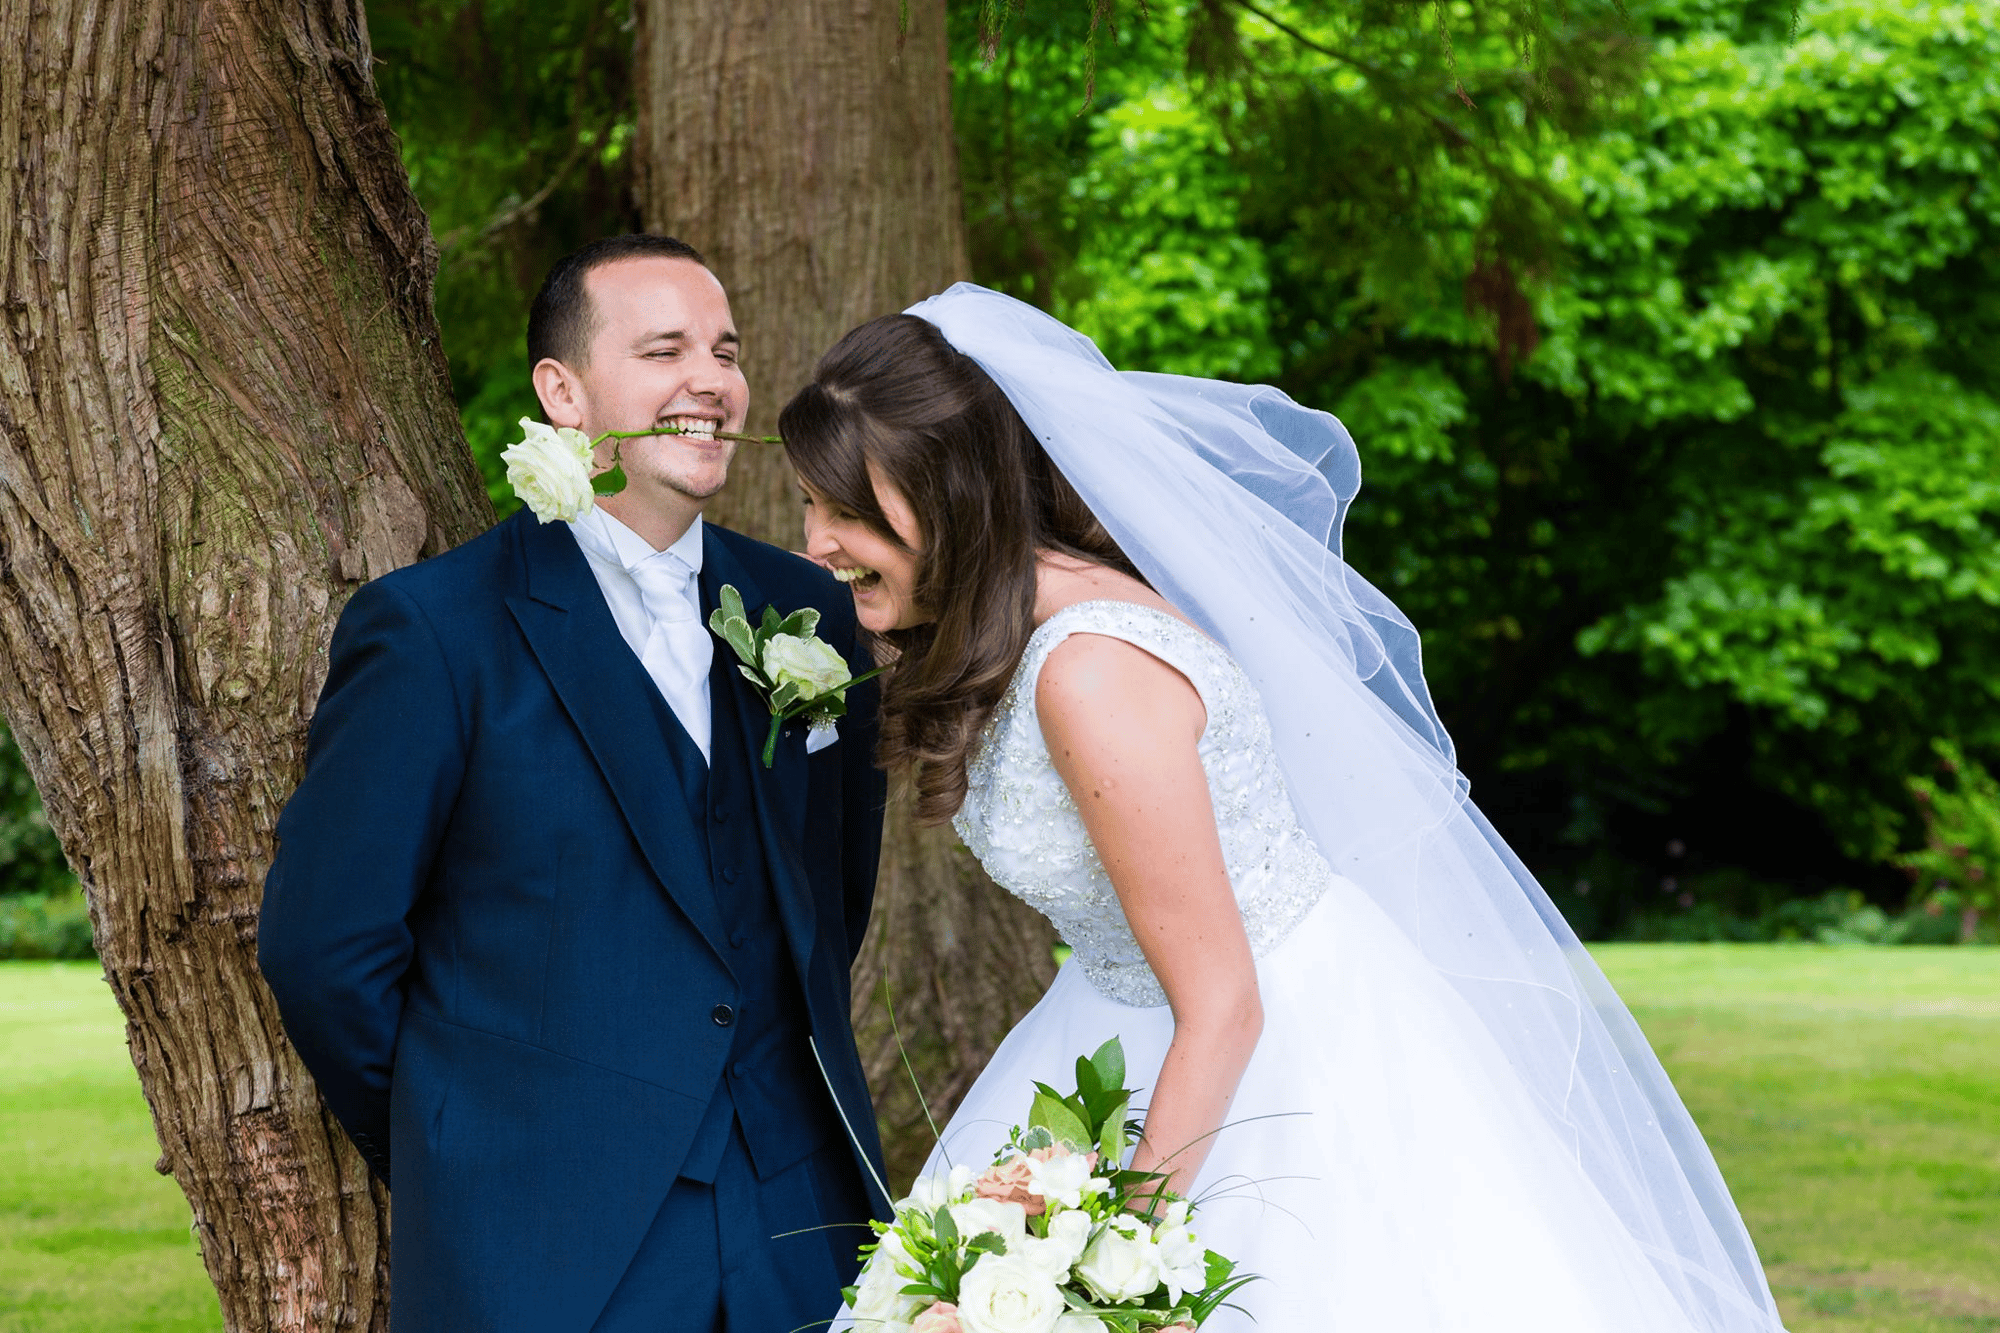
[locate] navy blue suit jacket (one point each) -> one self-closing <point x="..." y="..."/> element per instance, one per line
<point x="490" y="924"/>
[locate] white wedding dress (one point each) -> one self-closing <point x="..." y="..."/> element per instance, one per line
<point x="1383" y="1170"/>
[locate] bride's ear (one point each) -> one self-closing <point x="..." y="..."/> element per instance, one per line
<point x="561" y="392"/>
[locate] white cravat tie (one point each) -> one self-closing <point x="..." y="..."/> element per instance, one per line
<point x="677" y="651"/>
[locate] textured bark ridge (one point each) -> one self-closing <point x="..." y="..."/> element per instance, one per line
<point x="805" y="147"/>
<point x="222" y="405"/>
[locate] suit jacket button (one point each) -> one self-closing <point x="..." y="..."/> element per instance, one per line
<point x="740" y="1068"/>
<point x="723" y="1015"/>
<point x="719" y="815"/>
<point x="738" y="941"/>
<point x="729" y="874"/>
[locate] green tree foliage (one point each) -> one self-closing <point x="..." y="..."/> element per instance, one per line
<point x="1959" y="863"/>
<point x="31" y="860"/>
<point x="516" y="117"/>
<point x="1670" y="354"/>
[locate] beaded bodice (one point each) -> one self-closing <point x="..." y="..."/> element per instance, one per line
<point x="1020" y="822"/>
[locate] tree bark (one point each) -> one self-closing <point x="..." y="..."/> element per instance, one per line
<point x="805" y="146"/>
<point x="222" y="405"/>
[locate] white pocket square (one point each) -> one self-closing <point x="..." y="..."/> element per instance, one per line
<point x="820" y="736"/>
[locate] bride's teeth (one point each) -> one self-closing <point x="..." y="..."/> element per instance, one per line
<point x="853" y="575"/>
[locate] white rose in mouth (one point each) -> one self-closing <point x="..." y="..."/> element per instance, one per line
<point x="550" y="470"/>
<point x="810" y="664"/>
<point x="1122" y="1264"/>
<point x="1005" y="1295"/>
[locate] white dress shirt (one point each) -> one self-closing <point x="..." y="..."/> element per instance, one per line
<point x="656" y="602"/>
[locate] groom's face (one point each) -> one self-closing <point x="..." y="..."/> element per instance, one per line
<point x="663" y="352"/>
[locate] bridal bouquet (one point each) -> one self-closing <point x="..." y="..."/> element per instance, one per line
<point x="1040" y="1241"/>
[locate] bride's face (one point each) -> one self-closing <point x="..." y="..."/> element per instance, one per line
<point x="881" y="574"/>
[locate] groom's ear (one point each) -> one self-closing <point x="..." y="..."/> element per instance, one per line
<point x="561" y="392"/>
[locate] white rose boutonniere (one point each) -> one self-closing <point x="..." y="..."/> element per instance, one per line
<point x="799" y="674"/>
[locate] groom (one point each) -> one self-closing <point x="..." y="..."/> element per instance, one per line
<point x="548" y="935"/>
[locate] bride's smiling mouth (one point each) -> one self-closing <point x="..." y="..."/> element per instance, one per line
<point x="858" y="577"/>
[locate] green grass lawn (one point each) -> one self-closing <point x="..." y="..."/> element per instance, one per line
<point x="1851" y="1095"/>
<point x="92" y="1240"/>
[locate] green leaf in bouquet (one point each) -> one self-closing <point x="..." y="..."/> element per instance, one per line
<point x="986" y="1242"/>
<point x="1050" y="1112"/>
<point x="1111" y="1140"/>
<point x="945" y="1228"/>
<point x="608" y="482"/>
<point x="752" y="677"/>
<point x="849" y="1294"/>
<point x="1110" y="1064"/>
<point x="1088" y="1086"/>
<point x="772" y="621"/>
<point x="785" y="696"/>
<point x="1037" y="1136"/>
<point x="1219" y="1269"/>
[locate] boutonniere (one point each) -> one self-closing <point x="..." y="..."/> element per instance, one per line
<point x="798" y="673"/>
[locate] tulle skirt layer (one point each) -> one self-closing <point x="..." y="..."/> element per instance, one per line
<point x="1382" y="1169"/>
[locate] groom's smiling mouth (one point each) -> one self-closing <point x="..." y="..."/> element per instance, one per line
<point x="859" y="577"/>
<point x="702" y="428"/>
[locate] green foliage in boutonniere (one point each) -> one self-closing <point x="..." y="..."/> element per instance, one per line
<point x="799" y="674"/>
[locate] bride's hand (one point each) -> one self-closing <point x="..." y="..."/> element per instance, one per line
<point x="1123" y="729"/>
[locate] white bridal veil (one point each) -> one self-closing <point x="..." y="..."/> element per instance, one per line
<point x="1230" y="498"/>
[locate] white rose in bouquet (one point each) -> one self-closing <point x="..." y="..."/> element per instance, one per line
<point x="878" y="1298"/>
<point x="930" y="1193"/>
<point x="1063" y="1177"/>
<point x="1183" y="1262"/>
<point x="1122" y="1264"/>
<point x="1069" y="1233"/>
<point x="809" y="664"/>
<point x="1002" y="1294"/>
<point x="550" y="470"/>
<point x="1008" y="1220"/>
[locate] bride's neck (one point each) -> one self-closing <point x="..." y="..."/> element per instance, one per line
<point x="1064" y="580"/>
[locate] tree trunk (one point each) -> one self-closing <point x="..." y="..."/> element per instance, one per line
<point x="805" y="146"/>
<point x="224" y="406"/>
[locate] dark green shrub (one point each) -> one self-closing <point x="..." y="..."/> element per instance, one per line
<point x="45" y="925"/>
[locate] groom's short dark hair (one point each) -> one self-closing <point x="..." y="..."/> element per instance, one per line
<point x="560" y="323"/>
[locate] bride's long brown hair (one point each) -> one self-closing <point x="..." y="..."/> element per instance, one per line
<point x="987" y="501"/>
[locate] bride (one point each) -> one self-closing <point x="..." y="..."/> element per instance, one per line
<point x="1130" y="661"/>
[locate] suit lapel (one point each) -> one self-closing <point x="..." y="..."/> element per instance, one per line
<point x="615" y="706"/>
<point x="742" y="721"/>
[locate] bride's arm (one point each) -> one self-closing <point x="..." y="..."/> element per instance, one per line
<point x="1122" y="727"/>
